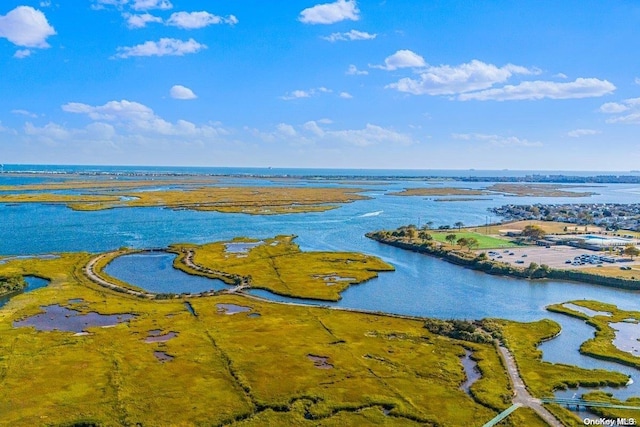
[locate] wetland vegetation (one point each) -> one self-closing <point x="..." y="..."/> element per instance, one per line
<point x="278" y="265"/>
<point x="183" y="194"/>
<point x="384" y="369"/>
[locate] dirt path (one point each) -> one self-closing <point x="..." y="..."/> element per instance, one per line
<point x="522" y="395"/>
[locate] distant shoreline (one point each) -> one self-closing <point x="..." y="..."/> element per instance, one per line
<point x="571" y="177"/>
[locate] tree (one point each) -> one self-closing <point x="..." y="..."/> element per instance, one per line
<point x="412" y="233"/>
<point x="472" y="242"/>
<point x="533" y="232"/>
<point x="459" y="225"/>
<point x="427" y="225"/>
<point x="451" y="238"/>
<point x="631" y="250"/>
<point x="462" y="242"/>
<point x="424" y="235"/>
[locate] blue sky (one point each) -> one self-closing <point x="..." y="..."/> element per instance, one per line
<point x="364" y="84"/>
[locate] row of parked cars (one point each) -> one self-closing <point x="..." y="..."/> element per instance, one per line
<point x="590" y="259"/>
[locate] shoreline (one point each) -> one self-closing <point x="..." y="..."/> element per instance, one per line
<point x="487" y="266"/>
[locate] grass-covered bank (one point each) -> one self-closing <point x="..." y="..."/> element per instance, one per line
<point x="543" y="378"/>
<point x="602" y="346"/>
<point x="481" y="262"/>
<point x="11" y="284"/>
<point x="278" y="265"/>
<point x="249" y="368"/>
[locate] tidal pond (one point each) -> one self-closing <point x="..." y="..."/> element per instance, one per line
<point x="59" y="318"/>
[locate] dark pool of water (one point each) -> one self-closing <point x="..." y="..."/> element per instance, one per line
<point x="162" y="356"/>
<point x="232" y="308"/>
<point x="32" y="284"/>
<point x="155" y="338"/>
<point x="56" y="317"/>
<point x="320" y="362"/>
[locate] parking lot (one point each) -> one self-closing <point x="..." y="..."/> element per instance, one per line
<point x="554" y="256"/>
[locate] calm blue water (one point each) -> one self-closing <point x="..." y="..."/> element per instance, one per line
<point x="155" y="273"/>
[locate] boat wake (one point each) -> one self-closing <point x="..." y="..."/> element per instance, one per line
<point x="376" y="213"/>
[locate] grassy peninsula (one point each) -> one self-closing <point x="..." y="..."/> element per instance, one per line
<point x="468" y="247"/>
<point x="278" y="265"/>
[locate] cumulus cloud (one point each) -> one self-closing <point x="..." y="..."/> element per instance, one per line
<point x="533" y="90"/>
<point x="317" y="132"/>
<point x="182" y="92"/>
<point x="329" y="13"/>
<point x="345" y="95"/>
<point x="630" y="106"/>
<point x="193" y="20"/>
<point x="496" y="140"/>
<point x="577" y="133"/>
<point x="162" y="47"/>
<point x="138" y="118"/>
<point x="150" y="4"/>
<point x="353" y="71"/>
<point x="140" y="21"/>
<point x="298" y="94"/>
<point x="50" y="131"/>
<point x="22" y="53"/>
<point x="286" y="130"/>
<point x="448" y="80"/>
<point x="350" y="36"/>
<point x="402" y="59"/>
<point x="27" y="27"/>
<point x="24" y="113"/>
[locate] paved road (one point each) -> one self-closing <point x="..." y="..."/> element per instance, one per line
<point x="522" y="395"/>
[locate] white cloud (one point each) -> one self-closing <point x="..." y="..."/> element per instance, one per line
<point x="353" y="71"/>
<point x="286" y="130"/>
<point x="192" y="20"/>
<point x="496" y="140"/>
<point x="345" y="95"/>
<point x="182" y="92"/>
<point x="163" y="47"/>
<point x="561" y="76"/>
<point x="138" y="118"/>
<point x="298" y="94"/>
<point x="51" y="131"/>
<point x="370" y="135"/>
<point x="140" y="21"/>
<point x="631" y="106"/>
<point x="314" y="132"/>
<point x="637" y="80"/>
<point x="350" y="36"/>
<point x="532" y="90"/>
<point x="448" y="80"/>
<point x="27" y="27"/>
<point x="577" y="133"/>
<point x="402" y="59"/>
<point x="150" y="4"/>
<point x="329" y="13"/>
<point x="22" y="53"/>
<point x="24" y="113"/>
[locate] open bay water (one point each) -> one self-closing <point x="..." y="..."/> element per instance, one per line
<point x="421" y="285"/>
